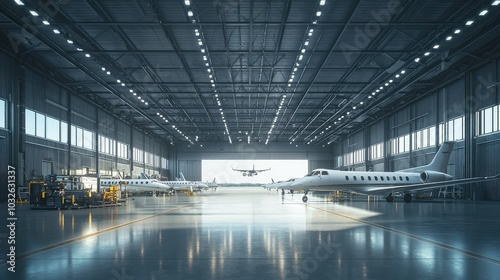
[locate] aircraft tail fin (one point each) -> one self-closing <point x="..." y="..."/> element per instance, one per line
<point x="144" y="176"/>
<point x="182" y="176"/>
<point x="440" y="161"/>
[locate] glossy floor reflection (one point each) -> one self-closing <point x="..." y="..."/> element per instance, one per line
<point x="251" y="233"/>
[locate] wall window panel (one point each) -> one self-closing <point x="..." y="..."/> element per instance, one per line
<point x="64" y="132"/>
<point x="40" y="125"/>
<point x="30" y="122"/>
<point x="52" y="128"/>
<point x="3" y="113"/>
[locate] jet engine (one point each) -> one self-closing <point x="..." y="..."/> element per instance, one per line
<point x="434" y="176"/>
<point x="244" y="174"/>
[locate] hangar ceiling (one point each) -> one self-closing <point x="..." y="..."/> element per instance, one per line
<point x="194" y="72"/>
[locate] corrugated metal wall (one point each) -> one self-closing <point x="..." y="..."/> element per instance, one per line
<point x="40" y="156"/>
<point x="453" y="100"/>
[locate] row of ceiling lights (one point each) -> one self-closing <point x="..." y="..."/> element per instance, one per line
<point x="417" y="59"/>
<point x="206" y="59"/>
<point x="296" y="66"/>
<point x="46" y="22"/>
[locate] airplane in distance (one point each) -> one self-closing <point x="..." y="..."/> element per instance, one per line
<point x="251" y="172"/>
<point x="407" y="181"/>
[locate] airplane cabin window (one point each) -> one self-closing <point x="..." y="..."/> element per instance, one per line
<point x="394" y="178"/>
<point x="369" y="178"/>
<point x="381" y="178"/>
<point x="400" y="178"/>
<point x="347" y="178"/>
<point x="354" y="177"/>
<point x="362" y="178"/>
<point x="375" y="177"/>
<point x="407" y="179"/>
<point x="388" y="178"/>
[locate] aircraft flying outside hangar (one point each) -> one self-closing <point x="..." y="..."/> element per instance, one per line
<point x="408" y="181"/>
<point x="251" y="172"/>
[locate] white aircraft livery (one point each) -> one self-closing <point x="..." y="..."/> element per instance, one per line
<point x="137" y="184"/>
<point x="407" y="181"/>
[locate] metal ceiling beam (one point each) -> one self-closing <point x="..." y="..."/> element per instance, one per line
<point x="21" y="24"/>
<point x="256" y="23"/>
<point x="422" y="73"/>
<point x="169" y="35"/>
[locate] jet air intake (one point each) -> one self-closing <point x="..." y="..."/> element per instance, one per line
<point x="434" y="176"/>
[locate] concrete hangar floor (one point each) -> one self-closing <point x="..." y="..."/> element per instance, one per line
<point x="251" y="233"/>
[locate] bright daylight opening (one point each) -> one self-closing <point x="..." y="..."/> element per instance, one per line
<point x="222" y="170"/>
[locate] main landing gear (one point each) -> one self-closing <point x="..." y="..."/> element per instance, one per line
<point x="407" y="197"/>
<point x="304" y="198"/>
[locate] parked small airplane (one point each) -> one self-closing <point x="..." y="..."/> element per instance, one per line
<point x="137" y="184"/>
<point x="407" y="181"/>
<point x="182" y="185"/>
<point x="251" y="172"/>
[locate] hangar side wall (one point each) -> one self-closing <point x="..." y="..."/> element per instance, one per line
<point x="466" y="111"/>
<point x="46" y="128"/>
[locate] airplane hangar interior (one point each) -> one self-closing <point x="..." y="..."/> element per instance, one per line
<point x="249" y="139"/>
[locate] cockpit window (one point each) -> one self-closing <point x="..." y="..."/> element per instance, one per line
<point x="324" y="172"/>
<point x="314" y="173"/>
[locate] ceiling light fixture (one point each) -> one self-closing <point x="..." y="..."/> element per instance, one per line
<point x="470" y="22"/>
<point x="57" y="31"/>
<point x="457" y="31"/>
<point x="449" y="38"/>
<point x="19" y="2"/>
<point x="427" y="53"/>
<point x="318" y="13"/>
<point x="436" y="47"/>
<point x="322" y="2"/>
<point x="483" y="12"/>
<point x="46" y="22"/>
<point x="190" y="13"/>
<point x="33" y="13"/>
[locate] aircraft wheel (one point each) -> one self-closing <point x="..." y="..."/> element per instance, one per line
<point x="408" y="197"/>
<point x="389" y="198"/>
<point x="304" y="199"/>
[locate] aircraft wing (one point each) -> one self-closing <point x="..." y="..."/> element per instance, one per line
<point x="261" y="170"/>
<point x="242" y="170"/>
<point x="428" y="186"/>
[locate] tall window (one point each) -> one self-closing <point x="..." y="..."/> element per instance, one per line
<point x="452" y="130"/>
<point x="424" y="138"/>
<point x="82" y="138"/>
<point x="377" y="151"/>
<point x="3" y="112"/>
<point x="53" y="129"/>
<point x="122" y="150"/>
<point x="488" y="120"/>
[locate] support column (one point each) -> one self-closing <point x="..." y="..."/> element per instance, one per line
<point x="469" y="139"/>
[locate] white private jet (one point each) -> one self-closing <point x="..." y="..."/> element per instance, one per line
<point x="137" y="184"/>
<point x="407" y="181"/>
<point x="182" y="185"/>
<point x="251" y="172"/>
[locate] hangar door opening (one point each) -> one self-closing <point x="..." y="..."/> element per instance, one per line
<point x="280" y="170"/>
